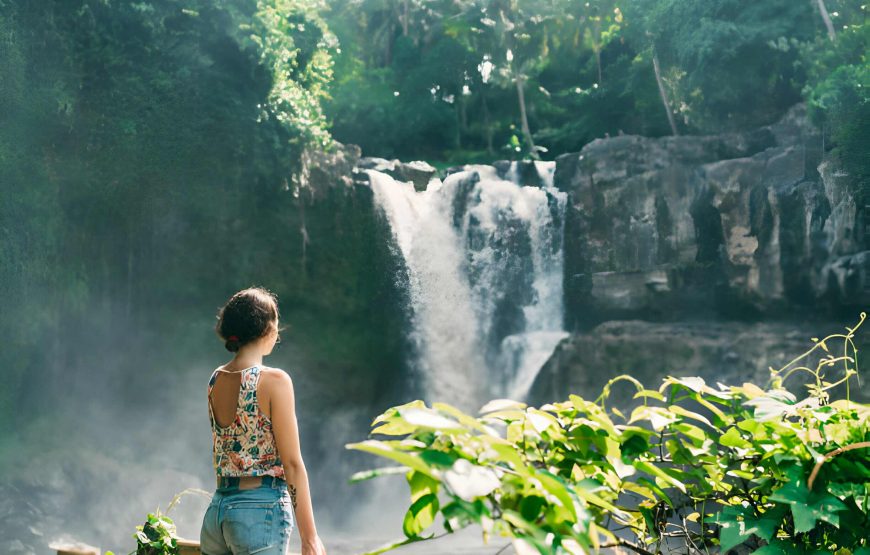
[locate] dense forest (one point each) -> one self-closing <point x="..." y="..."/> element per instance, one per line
<point x="537" y="78"/>
<point x="153" y="120"/>
<point x="153" y="154"/>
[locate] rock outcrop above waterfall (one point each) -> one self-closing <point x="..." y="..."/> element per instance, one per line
<point x="417" y="172"/>
<point x="343" y="167"/>
<point x="741" y="225"/>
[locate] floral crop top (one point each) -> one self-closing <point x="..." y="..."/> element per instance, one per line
<point x="246" y="447"/>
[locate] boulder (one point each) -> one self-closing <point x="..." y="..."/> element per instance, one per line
<point x="417" y="172"/>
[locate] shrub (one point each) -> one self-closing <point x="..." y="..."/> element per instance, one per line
<point x="722" y="466"/>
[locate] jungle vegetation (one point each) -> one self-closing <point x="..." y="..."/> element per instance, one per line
<point x="145" y="144"/>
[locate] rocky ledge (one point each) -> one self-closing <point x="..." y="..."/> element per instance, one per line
<point x="728" y="352"/>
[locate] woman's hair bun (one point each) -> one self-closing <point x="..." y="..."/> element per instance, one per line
<point x="232" y="344"/>
<point x="246" y="317"/>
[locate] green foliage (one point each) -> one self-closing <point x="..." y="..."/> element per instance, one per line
<point x="158" y="535"/>
<point x="719" y="67"/>
<point x="294" y="44"/>
<point x="149" y="153"/>
<point x="722" y="466"/>
<point x="838" y="91"/>
<point x="586" y="70"/>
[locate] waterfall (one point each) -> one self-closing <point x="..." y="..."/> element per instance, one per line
<point x="483" y="261"/>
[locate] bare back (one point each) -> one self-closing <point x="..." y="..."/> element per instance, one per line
<point x="225" y="394"/>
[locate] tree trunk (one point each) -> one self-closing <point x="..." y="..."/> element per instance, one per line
<point x="405" y="18"/>
<point x="486" y="123"/>
<point x="662" y="92"/>
<point x="597" y="48"/>
<point x="527" y="133"/>
<point x="458" y="110"/>
<point x="303" y="233"/>
<point x="463" y="113"/>
<point x="388" y="49"/>
<point x="463" y="119"/>
<point x="827" y="18"/>
<point x="598" y="62"/>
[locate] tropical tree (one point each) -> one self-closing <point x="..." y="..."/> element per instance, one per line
<point x="715" y="59"/>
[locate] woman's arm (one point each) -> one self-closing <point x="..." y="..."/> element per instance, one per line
<point x="286" y="431"/>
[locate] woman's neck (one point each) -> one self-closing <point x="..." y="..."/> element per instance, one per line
<point x="241" y="363"/>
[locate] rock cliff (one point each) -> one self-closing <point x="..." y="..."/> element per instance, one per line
<point x="741" y="226"/>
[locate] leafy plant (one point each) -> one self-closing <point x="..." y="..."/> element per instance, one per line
<point x="838" y="79"/>
<point x="722" y="466"/>
<point x="158" y="535"/>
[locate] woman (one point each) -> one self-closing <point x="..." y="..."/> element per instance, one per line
<point x="257" y="459"/>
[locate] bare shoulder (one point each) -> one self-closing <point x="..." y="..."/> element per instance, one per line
<point x="275" y="376"/>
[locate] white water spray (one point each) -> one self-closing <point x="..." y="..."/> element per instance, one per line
<point x="483" y="256"/>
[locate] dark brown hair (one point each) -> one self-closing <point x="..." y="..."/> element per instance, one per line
<point x="246" y="317"/>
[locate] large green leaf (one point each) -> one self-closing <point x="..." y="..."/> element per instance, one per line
<point x="420" y="515"/>
<point x="429" y="418"/>
<point x="732" y="438"/>
<point x="586" y="490"/>
<point x="807" y="507"/>
<point x="555" y="486"/>
<point x="468" y="480"/>
<point x="737" y="524"/>
<point x="385" y="450"/>
<point x="661" y="473"/>
<point x="374" y="473"/>
<point x="732" y="530"/>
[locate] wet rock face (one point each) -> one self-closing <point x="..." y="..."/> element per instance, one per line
<point x="727" y="352"/>
<point x="739" y="225"/>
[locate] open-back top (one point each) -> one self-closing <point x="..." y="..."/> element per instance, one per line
<point x="247" y="446"/>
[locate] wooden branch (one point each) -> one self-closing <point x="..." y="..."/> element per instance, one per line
<point x="831" y="455"/>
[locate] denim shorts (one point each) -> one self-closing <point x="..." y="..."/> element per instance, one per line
<point x="248" y="521"/>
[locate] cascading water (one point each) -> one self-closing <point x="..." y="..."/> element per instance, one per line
<point x="483" y="260"/>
